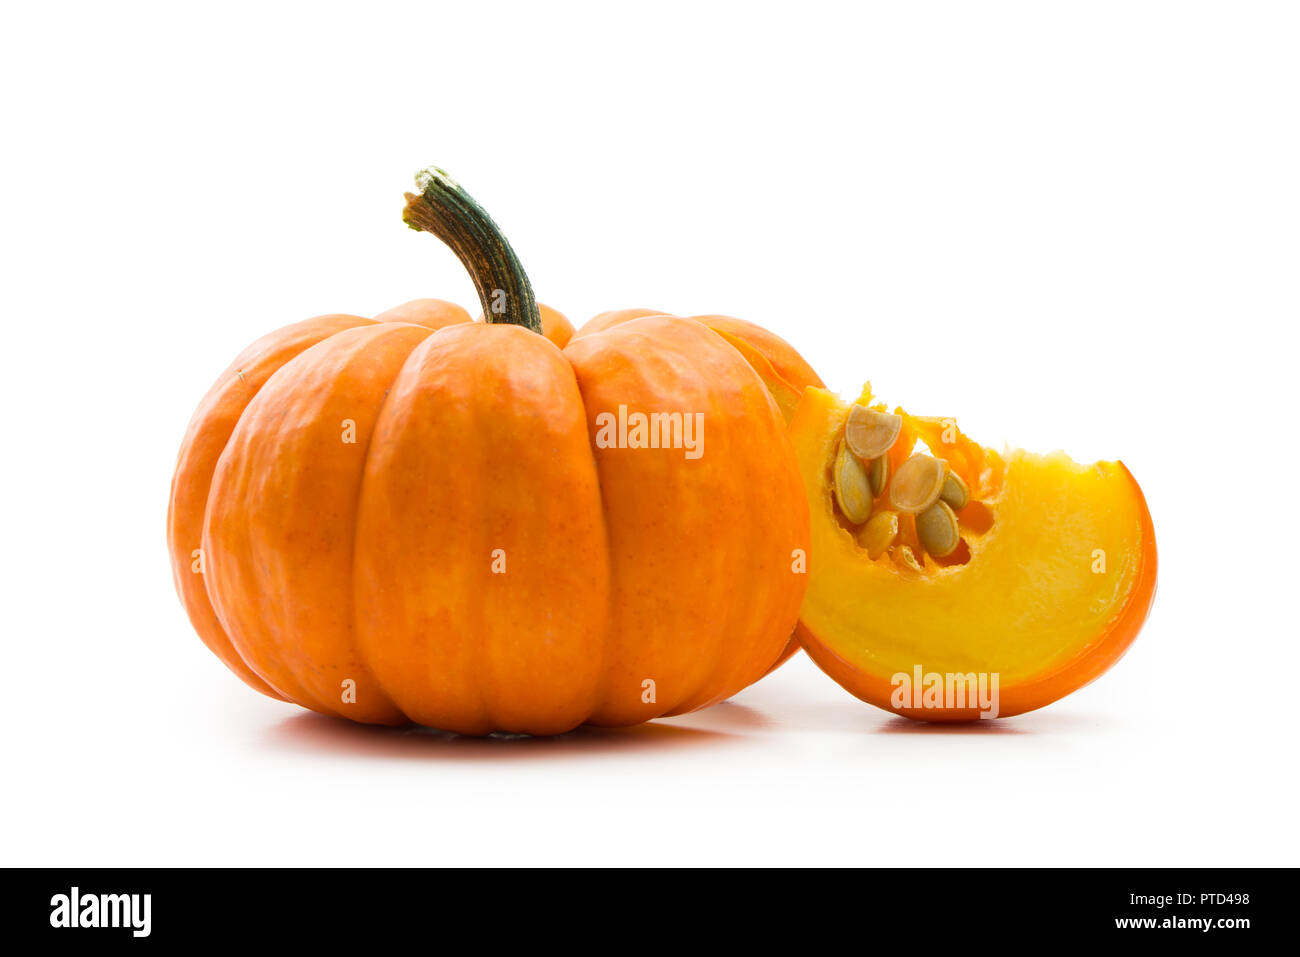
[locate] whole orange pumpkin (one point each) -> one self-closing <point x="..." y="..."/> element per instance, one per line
<point x="421" y="518"/>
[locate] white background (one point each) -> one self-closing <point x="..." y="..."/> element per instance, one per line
<point x="1070" y="225"/>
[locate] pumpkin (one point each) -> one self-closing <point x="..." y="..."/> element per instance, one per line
<point x="950" y="582"/>
<point x="418" y="517"/>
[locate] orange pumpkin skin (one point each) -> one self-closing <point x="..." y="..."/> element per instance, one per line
<point x="209" y="432"/>
<point x="368" y="565"/>
<point x="436" y="313"/>
<point x="555" y="325"/>
<point x="784" y="371"/>
<point x="433" y="313"/>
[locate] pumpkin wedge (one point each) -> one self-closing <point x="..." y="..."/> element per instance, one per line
<point x="983" y="584"/>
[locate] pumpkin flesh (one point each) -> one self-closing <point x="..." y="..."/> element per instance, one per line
<point x="1050" y="594"/>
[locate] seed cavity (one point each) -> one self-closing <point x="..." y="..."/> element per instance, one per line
<point x="936" y="527"/>
<point x="906" y="558"/>
<point x="955" y="492"/>
<point x="960" y="556"/>
<point x="976" y="518"/>
<point x="880" y="532"/>
<point x="930" y="507"/>
<point x="917" y="484"/>
<point x="852" y="487"/>
<point x="869" y="434"/>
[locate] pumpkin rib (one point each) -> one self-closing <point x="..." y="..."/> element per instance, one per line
<point x="411" y="367"/>
<point x="656" y="508"/>
<point x="739" y="675"/>
<point x="187" y="505"/>
<point x="636" y="371"/>
<point x="783" y="370"/>
<point x="604" y="321"/>
<point x="431" y="313"/>
<point x="608" y="658"/>
<point x="298" y="695"/>
<point x="278" y="522"/>
<point x="785" y="359"/>
<point x="496" y="711"/>
<point x="555" y="325"/>
<point x="326" y="709"/>
<point x="355" y="644"/>
<point x="714" y="687"/>
<point x="458" y="645"/>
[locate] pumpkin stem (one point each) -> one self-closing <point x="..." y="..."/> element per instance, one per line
<point x="451" y="214"/>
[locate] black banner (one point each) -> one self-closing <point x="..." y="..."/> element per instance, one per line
<point x="141" y="908"/>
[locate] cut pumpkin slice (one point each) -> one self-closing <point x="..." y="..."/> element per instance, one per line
<point x="1053" y="576"/>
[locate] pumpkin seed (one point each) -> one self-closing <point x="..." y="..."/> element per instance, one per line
<point x="905" y="557"/>
<point x="870" y="433"/>
<point x="936" y="527"/>
<point x="880" y="532"/>
<point x="955" y="492"/>
<point x="917" y="484"/>
<point x="852" y="488"/>
<point x="878" y="474"/>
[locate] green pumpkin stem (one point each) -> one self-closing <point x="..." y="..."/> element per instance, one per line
<point x="451" y="214"/>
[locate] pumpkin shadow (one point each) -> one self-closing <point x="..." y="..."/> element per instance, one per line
<point x="900" y="725"/>
<point x="855" y="717"/>
<point x="725" y="716"/>
<point x="335" y="737"/>
<point x="1033" y="723"/>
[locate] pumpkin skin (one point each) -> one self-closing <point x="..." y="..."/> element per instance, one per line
<point x="436" y="313"/>
<point x="555" y="325"/>
<point x="348" y="490"/>
<point x="783" y="370"/>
